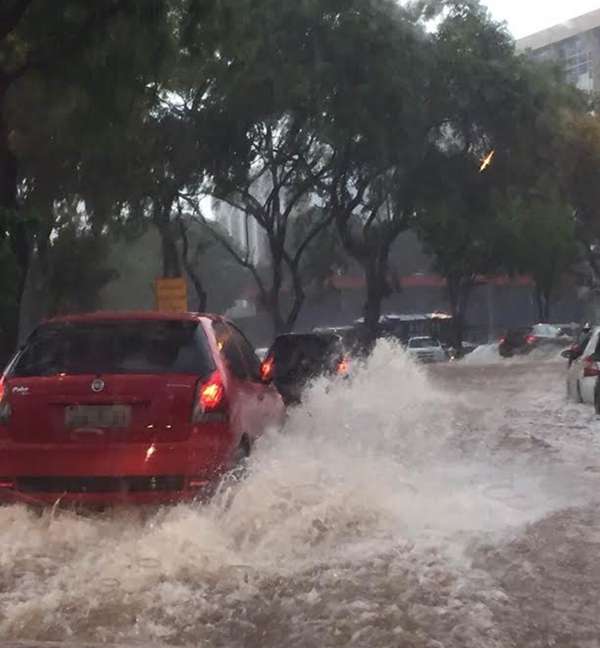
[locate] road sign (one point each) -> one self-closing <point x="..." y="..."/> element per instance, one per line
<point x="171" y="295"/>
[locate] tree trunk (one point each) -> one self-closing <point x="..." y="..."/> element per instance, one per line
<point x="299" y="297"/>
<point x="459" y="293"/>
<point x="539" y="304"/>
<point x="168" y="239"/>
<point x="15" y="226"/>
<point x="547" y="306"/>
<point x="190" y="270"/>
<point x="274" y="305"/>
<point x="375" y="282"/>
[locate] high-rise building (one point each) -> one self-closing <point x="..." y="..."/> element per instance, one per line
<point x="247" y="234"/>
<point x="575" y="44"/>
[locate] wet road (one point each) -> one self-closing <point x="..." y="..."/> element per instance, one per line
<point x="453" y="507"/>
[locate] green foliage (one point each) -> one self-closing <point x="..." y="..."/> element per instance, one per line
<point x="335" y="124"/>
<point x="544" y="245"/>
<point x="77" y="270"/>
<point x="489" y="100"/>
<point x="325" y="257"/>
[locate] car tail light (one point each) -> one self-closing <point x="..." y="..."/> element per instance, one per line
<point x="502" y="340"/>
<point x="5" y="408"/>
<point x="343" y="367"/>
<point x="211" y="402"/>
<point x="591" y="368"/>
<point x="531" y="339"/>
<point x="267" y="369"/>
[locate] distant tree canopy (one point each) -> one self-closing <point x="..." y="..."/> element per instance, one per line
<point x="334" y="125"/>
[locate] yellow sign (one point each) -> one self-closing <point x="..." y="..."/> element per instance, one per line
<point x="171" y="295"/>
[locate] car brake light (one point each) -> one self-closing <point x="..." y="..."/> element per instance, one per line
<point x="267" y="369"/>
<point x="591" y="369"/>
<point x="210" y="402"/>
<point x="343" y="367"/>
<point x="531" y="339"/>
<point x="5" y="408"/>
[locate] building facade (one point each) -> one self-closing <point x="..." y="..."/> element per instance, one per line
<point x="575" y="45"/>
<point x="248" y="235"/>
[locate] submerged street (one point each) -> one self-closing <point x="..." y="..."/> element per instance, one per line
<point x="451" y="506"/>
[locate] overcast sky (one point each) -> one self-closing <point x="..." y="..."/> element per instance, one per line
<point x="525" y="17"/>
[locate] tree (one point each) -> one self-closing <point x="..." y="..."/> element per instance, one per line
<point x="497" y="136"/>
<point x="326" y="257"/>
<point x="267" y="167"/>
<point x="579" y="175"/>
<point x="461" y="225"/>
<point x="545" y="246"/>
<point x="376" y="119"/>
<point x="70" y="74"/>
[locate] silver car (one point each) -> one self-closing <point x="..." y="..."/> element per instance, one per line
<point x="426" y="349"/>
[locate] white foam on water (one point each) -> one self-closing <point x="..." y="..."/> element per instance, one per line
<point x="352" y="528"/>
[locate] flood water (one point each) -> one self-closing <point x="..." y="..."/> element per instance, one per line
<point x="456" y="506"/>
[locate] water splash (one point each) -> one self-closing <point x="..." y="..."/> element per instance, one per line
<point x="353" y="527"/>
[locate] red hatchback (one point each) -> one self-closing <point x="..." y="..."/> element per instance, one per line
<point x="115" y="408"/>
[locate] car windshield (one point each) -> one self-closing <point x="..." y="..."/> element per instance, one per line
<point x="546" y="330"/>
<point x="119" y="347"/>
<point x="422" y="343"/>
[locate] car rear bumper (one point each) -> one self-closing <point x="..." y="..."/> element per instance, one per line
<point x="114" y="474"/>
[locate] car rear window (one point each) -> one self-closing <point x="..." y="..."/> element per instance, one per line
<point x="120" y="347"/>
<point x="422" y="343"/>
<point x="313" y="351"/>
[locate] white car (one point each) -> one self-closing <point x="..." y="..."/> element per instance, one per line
<point x="583" y="385"/>
<point x="426" y="349"/>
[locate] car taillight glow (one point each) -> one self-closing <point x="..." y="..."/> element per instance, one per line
<point x="5" y="408"/>
<point x="343" y="367"/>
<point x="267" y="369"/>
<point x="531" y="339"/>
<point x="210" y="399"/>
<point x="591" y="368"/>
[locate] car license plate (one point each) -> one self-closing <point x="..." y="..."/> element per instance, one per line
<point x="98" y="416"/>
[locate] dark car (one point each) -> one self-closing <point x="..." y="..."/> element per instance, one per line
<point x="296" y="359"/>
<point x="522" y="341"/>
<point x="129" y="408"/>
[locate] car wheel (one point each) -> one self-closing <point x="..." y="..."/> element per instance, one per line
<point x="240" y="459"/>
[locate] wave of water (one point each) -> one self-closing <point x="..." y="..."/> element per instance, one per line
<point x="353" y="527"/>
<point x="489" y="354"/>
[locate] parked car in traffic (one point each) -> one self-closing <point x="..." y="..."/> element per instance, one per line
<point x="583" y="384"/>
<point x="296" y="359"/>
<point x="522" y="341"/>
<point x="130" y="407"/>
<point x="426" y="349"/>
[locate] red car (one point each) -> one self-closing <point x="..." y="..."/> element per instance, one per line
<point x="115" y="408"/>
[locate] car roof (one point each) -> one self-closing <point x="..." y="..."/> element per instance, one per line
<point x="119" y="316"/>
<point x="320" y="335"/>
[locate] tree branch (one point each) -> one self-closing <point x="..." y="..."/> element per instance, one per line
<point x="65" y="46"/>
<point x="227" y="245"/>
<point x="9" y="19"/>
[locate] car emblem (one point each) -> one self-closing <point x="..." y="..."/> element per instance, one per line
<point x="97" y="385"/>
<point x="23" y="391"/>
